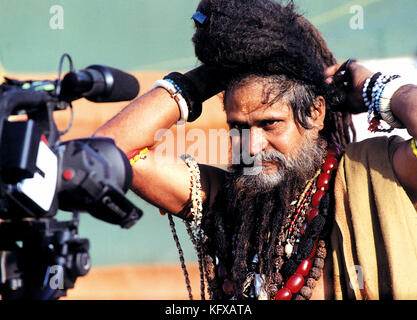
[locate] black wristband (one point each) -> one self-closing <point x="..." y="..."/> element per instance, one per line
<point x="189" y="92"/>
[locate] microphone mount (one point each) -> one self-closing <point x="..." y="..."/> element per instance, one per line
<point x="99" y="83"/>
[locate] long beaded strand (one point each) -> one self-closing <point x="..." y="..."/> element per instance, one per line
<point x="310" y="268"/>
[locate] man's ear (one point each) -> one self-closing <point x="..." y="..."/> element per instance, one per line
<point x="318" y="112"/>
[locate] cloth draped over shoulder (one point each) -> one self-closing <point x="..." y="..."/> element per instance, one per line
<point x="374" y="239"/>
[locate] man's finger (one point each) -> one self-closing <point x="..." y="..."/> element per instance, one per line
<point x="330" y="71"/>
<point x="329" y="80"/>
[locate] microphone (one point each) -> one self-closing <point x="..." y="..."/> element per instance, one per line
<point x="99" y="83"/>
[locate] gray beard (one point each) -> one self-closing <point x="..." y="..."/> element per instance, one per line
<point x="257" y="204"/>
<point x="300" y="167"/>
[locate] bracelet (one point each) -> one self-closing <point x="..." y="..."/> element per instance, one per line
<point x="196" y="196"/>
<point x="367" y="88"/>
<point x="364" y="92"/>
<point x="190" y="93"/>
<point x="385" y="101"/>
<point x="372" y="91"/>
<point x="377" y="88"/>
<point x="413" y="146"/>
<point x="175" y="93"/>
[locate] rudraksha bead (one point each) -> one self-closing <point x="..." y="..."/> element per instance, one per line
<point x="322" y="244"/>
<point x="315" y="273"/>
<point x="279" y="250"/>
<point x="321" y="252"/>
<point x="318" y="263"/>
<point x="277" y="278"/>
<point x="306" y="292"/>
<point x="278" y="262"/>
<point x="227" y="286"/>
<point x="272" y="290"/>
<point x="311" y="283"/>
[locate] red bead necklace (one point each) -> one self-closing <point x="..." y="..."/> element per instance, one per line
<point x="296" y="282"/>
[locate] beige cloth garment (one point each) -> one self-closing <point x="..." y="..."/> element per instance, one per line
<point x="374" y="239"/>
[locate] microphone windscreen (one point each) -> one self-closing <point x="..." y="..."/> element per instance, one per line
<point x="120" y="86"/>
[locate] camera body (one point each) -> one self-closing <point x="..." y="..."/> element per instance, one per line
<point x="41" y="257"/>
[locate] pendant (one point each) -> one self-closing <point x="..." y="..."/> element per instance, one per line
<point x="288" y="249"/>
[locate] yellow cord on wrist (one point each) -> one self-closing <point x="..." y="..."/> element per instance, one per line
<point x="413" y="146"/>
<point x="140" y="156"/>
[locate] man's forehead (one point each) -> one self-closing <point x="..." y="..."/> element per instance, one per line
<point x="255" y="95"/>
<point x="240" y="111"/>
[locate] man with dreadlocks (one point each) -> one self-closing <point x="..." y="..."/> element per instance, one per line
<point x="304" y="201"/>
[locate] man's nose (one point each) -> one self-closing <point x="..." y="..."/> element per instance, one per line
<point x="257" y="141"/>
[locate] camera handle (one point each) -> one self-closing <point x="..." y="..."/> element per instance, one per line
<point x="38" y="105"/>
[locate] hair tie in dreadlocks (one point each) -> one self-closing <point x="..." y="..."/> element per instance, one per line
<point x="199" y="17"/>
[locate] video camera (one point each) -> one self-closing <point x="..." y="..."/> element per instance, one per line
<point x="41" y="257"/>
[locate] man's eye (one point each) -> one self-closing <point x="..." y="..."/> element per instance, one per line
<point x="239" y="127"/>
<point x="269" y="124"/>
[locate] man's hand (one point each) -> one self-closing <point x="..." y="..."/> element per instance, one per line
<point x="209" y="80"/>
<point x="403" y="106"/>
<point x="356" y="75"/>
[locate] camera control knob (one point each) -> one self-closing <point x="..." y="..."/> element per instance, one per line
<point x="82" y="263"/>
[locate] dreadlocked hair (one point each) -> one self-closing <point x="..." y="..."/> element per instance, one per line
<point x="269" y="41"/>
<point x="263" y="37"/>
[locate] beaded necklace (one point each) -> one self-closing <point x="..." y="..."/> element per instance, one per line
<point x="304" y="213"/>
<point x="300" y="284"/>
<point x="294" y="224"/>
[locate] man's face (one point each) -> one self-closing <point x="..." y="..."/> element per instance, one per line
<point x="268" y="132"/>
